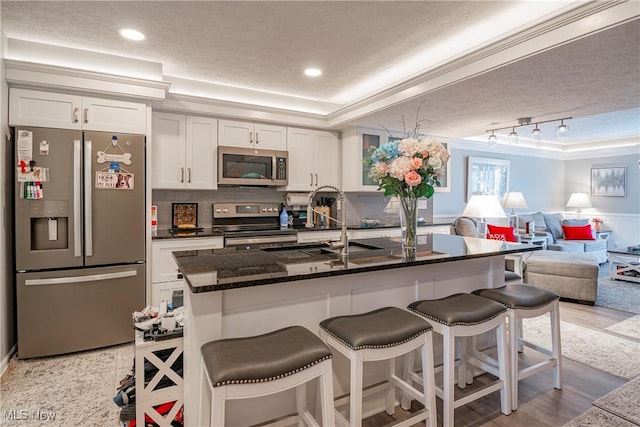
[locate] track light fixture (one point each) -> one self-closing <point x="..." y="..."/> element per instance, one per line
<point x="493" y="139"/>
<point x="561" y="131"/>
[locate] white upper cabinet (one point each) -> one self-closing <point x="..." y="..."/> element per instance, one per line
<point x="57" y="110"/>
<point x="356" y="144"/>
<point x="313" y="159"/>
<point x="252" y="135"/>
<point x="183" y="152"/>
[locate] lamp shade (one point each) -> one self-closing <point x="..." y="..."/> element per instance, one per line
<point x="579" y="200"/>
<point x="514" y="200"/>
<point x="480" y="206"/>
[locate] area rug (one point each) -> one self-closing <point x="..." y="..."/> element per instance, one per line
<point x="618" y="294"/>
<point x="623" y="401"/>
<point x="85" y="384"/>
<point x="596" y="417"/>
<point x="629" y="328"/>
<point x="614" y="355"/>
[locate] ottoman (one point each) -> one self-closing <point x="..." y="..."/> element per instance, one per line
<point x="569" y="274"/>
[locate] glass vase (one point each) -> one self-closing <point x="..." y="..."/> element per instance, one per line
<point x="409" y="226"/>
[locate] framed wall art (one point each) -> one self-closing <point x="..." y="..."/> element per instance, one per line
<point x="609" y="181"/>
<point x="487" y="176"/>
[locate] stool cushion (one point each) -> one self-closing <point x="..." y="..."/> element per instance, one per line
<point x="458" y="309"/>
<point x="385" y="327"/>
<point x="519" y="296"/>
<point x="264" y="357"/>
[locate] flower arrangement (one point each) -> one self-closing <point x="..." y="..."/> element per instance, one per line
<point x="597" y="222"/>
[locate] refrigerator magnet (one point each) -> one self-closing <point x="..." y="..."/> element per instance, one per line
<point x="44" y="147"/>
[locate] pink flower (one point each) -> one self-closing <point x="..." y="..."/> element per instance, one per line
<point x="416" y="162"/>
<point x="412" y="179"/>
<point x="399" y="167"/>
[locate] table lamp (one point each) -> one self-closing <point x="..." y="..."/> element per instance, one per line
<point x="514" y="200"/>
<point x="579" y="200"/>
<point x="483" y="207"/>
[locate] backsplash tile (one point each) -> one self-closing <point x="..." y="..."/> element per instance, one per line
<point x="359" y="205"/>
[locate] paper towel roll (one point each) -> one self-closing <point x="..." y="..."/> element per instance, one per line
<point x="297" y="199"/>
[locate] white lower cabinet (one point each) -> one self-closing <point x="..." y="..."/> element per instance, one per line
<point x="165" y="276"/>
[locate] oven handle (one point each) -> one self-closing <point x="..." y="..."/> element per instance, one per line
<point x="238" y="241"/>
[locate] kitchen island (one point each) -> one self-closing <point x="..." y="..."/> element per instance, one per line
<point x="233" y="293"/>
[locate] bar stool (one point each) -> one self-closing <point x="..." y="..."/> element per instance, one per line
<point x="241" y="368"/>
<point x="384" y="334"/>
<point x="466" y="315"/>
<point x="522" y="302"/>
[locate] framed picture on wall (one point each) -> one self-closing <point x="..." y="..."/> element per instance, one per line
<point x="487" y="176"/>
<point x="445" y="178"/>
<point x="609" y="181"/>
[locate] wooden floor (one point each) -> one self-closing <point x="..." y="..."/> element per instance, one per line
<point x="540" y="405"/>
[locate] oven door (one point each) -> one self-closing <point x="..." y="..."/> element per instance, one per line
<point x="246" y="166"/>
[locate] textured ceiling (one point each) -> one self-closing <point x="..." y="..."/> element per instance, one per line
<point x="264" y="46"/>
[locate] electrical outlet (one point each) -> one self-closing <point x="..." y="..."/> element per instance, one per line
<point x="422" y="203"/>
<point x="422" y="239"/>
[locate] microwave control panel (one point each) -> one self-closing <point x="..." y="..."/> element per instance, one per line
<point x="281" y="168"/>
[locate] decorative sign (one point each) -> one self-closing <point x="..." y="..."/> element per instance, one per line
<point x="108" y="157"/>
<point x="114" y="181"/>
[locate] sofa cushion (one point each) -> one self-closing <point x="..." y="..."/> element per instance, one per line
<point x="578" y="232"/>
<point x="583" y="221"/>
<point x="594" y="245"/>
<point x="554" y="224"/>
<point x="497" y="232"/>
<point x="537" y="217"/>
<point x="465" y="226"/>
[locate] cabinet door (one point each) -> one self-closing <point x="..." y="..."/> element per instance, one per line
<point x="202" y="140"/>
<point x="168" y="151"/>
<point x="326" y="159"/>
<point x="235" y="134"/>
<point x="113" y="116"/>
<point x="163" y="265"/>
<point x="269" y="137"/>
<point x="44" y="109"/>
<point x="301" y="170"/>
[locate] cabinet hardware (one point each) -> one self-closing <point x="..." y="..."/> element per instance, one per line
<point x="86" y="115"/>
<point x="250" y="137"/>
<point x="181" y="174"/>
<point x="311" y="176"/>
<point x="316" y="180"/>
<point x="257" y="141"/>
<point x="76" y="111"/>
<point x="189" y="175"/>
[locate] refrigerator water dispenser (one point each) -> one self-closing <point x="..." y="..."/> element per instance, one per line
<point x="49" y="222"/>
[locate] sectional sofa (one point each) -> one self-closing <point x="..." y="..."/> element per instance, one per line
<point x="550" y="225"/>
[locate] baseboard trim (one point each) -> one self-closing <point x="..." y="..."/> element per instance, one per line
<point x="4" y="364"/>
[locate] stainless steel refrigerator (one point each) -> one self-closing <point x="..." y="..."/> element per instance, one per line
<point x="79" y="238"/>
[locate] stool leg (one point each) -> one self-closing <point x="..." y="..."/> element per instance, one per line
<point x="205" y="396"/>
<point x="218" y="397"/>
<point x="556" y="345"/>
<point x="428" y="378"/>
<point x="407" y="369"/>
<point x="463" y="351"/>
<point x="301" y="402"/>
<point x="513" y="336"/>
<point x="355" y="397"/>
<point x="503" y="366"/>
<point x="390" y="394"/>
<point x="326" y="395"/>
<point x="448" y="358"/>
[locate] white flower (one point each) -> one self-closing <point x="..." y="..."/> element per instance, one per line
<point x="435" y="162"/>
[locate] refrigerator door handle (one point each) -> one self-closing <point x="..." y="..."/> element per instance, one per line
<point x="88" y="217"/>
<point x="77" y="200"/>
<point x="77" y="279"/>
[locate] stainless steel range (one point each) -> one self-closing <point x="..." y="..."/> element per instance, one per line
<point x="251" y="225"/>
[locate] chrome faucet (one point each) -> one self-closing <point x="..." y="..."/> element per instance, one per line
<point x="342" y="244"/>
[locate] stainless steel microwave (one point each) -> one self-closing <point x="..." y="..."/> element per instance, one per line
<point x="248" y="166"/>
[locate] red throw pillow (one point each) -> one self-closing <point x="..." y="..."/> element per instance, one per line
<point x="577" y="232"/>
<point x="501" y="233"/>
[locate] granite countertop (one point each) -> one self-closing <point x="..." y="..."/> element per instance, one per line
<point x="210" y="270"/>
<point x="180" y="234"/>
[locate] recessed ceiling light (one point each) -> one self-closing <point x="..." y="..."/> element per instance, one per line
<point x="313" y="72"/>
<point x="130" y="34"/>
